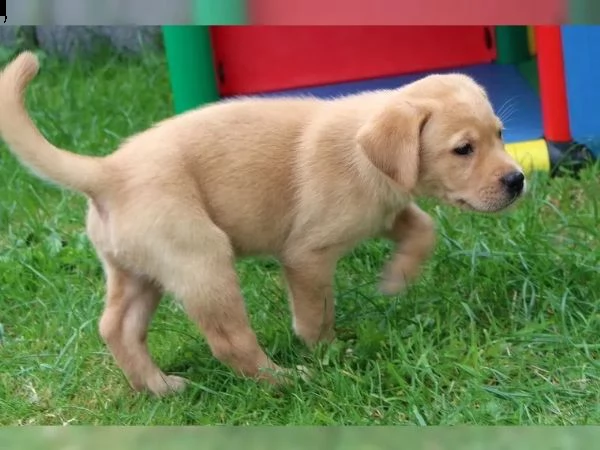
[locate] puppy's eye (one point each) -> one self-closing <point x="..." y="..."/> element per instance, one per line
<point x="464" y="150"/>
<point x="499" y="134"/>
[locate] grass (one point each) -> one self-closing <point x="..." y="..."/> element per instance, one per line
<point x="502" y="328"/>
<point x="262" y="438"/>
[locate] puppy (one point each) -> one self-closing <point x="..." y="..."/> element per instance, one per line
<point x="304" y="180"/>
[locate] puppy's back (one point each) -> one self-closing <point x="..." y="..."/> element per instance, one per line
<point x="239" y="155"/>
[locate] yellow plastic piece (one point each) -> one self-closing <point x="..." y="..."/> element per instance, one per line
<point x="531" y="155"/>
<point x="531" y="41"/>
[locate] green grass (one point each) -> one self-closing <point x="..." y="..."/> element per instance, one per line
<point x="502" y="328"/>
<point x="286" y="438"/>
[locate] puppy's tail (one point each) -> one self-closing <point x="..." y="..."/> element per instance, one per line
<point x="76" y="172"/>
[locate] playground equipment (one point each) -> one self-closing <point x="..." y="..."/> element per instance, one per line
<point x="220" y="12"/>
<point x="584" y="12"/>
<point x="540" y="79"/>
<point x="192" y="77"/>
<point x="189" y="52"/>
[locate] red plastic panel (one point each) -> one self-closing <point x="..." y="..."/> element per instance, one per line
<point x="407" y="12"/>
<point x="253" y="59"/>
<point x="553" y="86"/>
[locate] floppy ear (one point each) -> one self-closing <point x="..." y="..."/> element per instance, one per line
<point x="391" y="139"/>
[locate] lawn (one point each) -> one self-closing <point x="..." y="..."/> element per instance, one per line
<point x="296" y="438"/>
<point x="502" y="328"/>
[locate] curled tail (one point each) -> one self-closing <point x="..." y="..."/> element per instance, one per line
<point x="76" y="172"/>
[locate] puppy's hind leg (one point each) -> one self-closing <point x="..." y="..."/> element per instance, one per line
<point x="175" y="243"/>
<point x="198" y="268"/>
<point x="130" y="303"/>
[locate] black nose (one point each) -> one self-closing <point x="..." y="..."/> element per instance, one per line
<point x="514" y="182"/>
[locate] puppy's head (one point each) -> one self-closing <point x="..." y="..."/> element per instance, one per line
<point x="440" y="137"/>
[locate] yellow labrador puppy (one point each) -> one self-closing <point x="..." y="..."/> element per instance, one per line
<point x="304" y="180"/>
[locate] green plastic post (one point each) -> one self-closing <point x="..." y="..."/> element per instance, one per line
<point x="511" y="44"/>
<point x="220" y="12"/>
<point x="191" y="66"/>
<point x="190" y="55"/>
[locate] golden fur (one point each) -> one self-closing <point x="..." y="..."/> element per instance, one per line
<point x="304" y="180"/>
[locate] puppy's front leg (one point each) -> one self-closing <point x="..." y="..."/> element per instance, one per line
<point x="413" y="232"/>
<point x="310" y="284"/>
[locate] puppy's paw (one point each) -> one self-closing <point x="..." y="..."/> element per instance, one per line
<point x="399" y="272"/>
<point x="313" y="336"/>
<point x="392" y="286"/>
<point x="283" y="377"/>
<point x="299" y="373"/>
<point x="168" y="384"/>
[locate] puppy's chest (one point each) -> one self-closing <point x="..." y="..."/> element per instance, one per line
<point x="351" y="222"/>
<point x="380" y="217"/>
